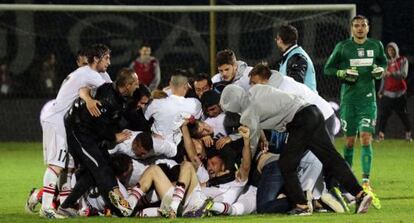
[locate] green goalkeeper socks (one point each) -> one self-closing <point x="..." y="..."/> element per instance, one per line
<point x="366" y="159"/>
<point x="348" y="155"/>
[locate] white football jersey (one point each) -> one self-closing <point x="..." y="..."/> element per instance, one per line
<point x="160" y="145"/>
<point x="166" y="110"/>
<point x="69" y="91"/>
<point x="217" y="123"/>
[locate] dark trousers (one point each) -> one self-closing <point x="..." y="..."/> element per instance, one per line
<point x="94" y="165"/>
<point x="270" y="185"/>
<point x="399" y="105"/>
<point x="307" y="130"/>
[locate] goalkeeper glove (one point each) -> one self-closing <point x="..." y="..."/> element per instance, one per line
<point x="348" y="75"/>
<point x="377" y="72"/>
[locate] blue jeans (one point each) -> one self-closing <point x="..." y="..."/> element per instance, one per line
<point x="271" y="182"/>
<point x="277" y="141"/>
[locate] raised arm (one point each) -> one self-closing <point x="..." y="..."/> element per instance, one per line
<point x="243" y="172"/>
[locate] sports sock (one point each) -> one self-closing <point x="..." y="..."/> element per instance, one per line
<point x="178" y="195"/>
<point x="348" y="154"/>
<point x="50" y="179"/>
<point x="66" y="188"/>
<point x="221" y="208"/>
<point x="135" y="197"/>
<point x="40" y="195"/>
<point x="366" y="160"/>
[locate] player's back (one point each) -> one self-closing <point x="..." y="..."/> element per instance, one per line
<point x="69" y="91"/>
<point x="289" y="85"/>
<point x="165" y="111"/>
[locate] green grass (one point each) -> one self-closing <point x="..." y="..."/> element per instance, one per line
<point x="21" y="166"/>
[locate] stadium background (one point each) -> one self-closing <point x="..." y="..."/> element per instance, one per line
<point x="28" y="37"/>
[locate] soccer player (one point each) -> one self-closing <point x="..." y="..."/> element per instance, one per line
<point x="269" y="108"/>
<point x="358" y="62"/>
<point x="54" y="135"/>
<point x="86" y="133"/>
<point x="231" y="71"/>
<point x="295" y="63"/>
<point x="202" y="83"/>
<point x="167" y="110"/>
<point x="143" y="145"/>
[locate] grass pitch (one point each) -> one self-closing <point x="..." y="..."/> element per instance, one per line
<point x="21" y="168"/>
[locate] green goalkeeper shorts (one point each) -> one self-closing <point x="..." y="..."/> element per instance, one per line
<point x="358" y="118"/>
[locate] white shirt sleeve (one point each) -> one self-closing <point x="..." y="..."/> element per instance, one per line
<point x="151" y="109"/>
<point x="216" y="78"/>
<point x="164" y="147"/>
<point x="93" y="79"/>
<point x="198" y="110"/>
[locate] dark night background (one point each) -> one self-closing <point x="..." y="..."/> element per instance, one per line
<point x="390" y="20"/>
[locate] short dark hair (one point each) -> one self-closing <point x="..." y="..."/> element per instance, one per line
<point x="144" y="91"/>
<point x="262" y="70"/>
<point x="120" y="163"/>
<point x="145" y="44"/>
<point x="82" y="52"/>
<point x="96" y="50"/>
<point x="210" y="98"/>
<point x="288" y="34"/>
<point x="359" y="17"/>
<point x="226" y="56"/>
<point x="203" y="76"/>
<point x="140" y="92"/>
<point x="145" y="140"/>
<point x="193" y="129"/>
<point x="124" y="76"/>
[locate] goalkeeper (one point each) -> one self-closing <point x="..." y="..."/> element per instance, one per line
<point x="358" y="62"/>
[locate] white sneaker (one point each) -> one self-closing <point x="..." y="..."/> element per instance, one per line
<point x="50" y="213"/>
<point x="32" y="201"/>
<point x="332" y="203"/>
<point x="67" y="212"/>
<point x="363" y="203"/>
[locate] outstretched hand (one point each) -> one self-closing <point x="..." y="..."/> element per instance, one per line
<point x="92" y="106"/>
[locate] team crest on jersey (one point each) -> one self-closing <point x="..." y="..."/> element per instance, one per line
<point x="370" y="53"/>
<point x="361" y="52"/>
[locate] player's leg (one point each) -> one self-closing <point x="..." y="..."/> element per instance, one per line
<point x="270" y="184"/>
<point x="97" y="163"/>
<point x="246" y="203"/>
<point x="155" y="176"/>
<point x="368" y="115"/>
<point x="349" y="127"/>
<point x="55" y="155"/>
<point x="65" y="180"/>
<point x="323" y="148"/>
<point x="187" y="181"/>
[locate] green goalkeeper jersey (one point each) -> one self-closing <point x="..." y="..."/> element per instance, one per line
<point x="349" y="54"/>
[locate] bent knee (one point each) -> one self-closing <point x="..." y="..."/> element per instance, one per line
<point x="366" y="138"/>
